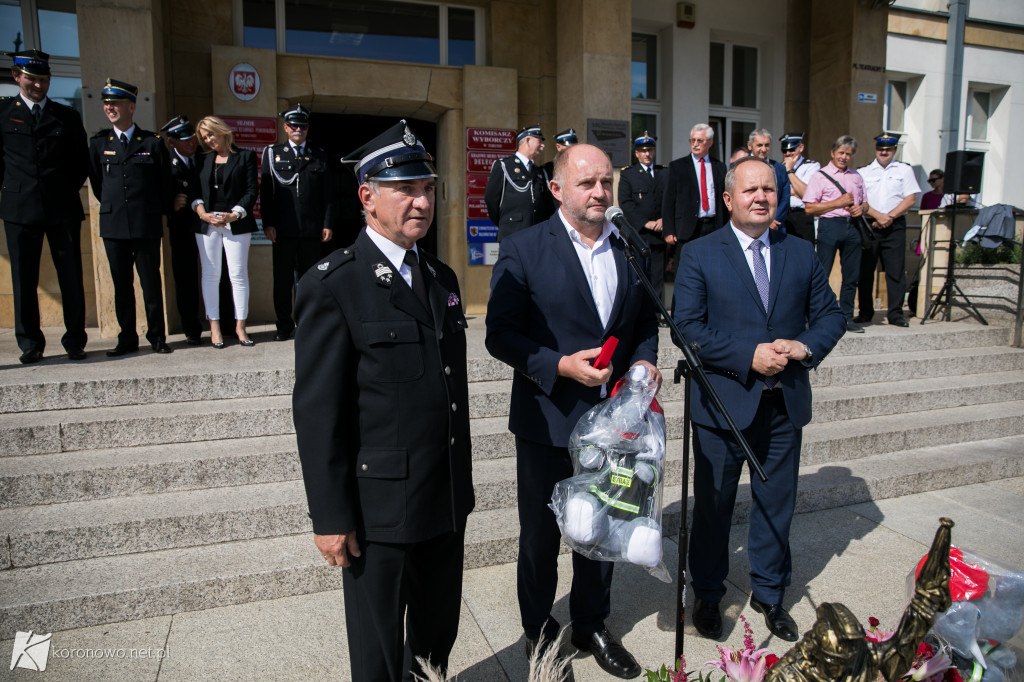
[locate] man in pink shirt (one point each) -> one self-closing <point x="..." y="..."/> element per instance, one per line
<point x="836" y="209"/>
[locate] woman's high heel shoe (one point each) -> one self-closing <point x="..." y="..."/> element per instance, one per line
<point x="248" y="343"/>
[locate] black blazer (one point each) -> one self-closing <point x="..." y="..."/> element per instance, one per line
<point x="641" y="197"/>
<point x="540" y="309"/>
<point x="42" y="167"/>
<point x="133" y="184"/>
<point x="525" y="200"/>
<point x="240" y="186"/>
<point x="381" y="400"/>
<point x="185" y="180"/>
<point x="682" y="198"/>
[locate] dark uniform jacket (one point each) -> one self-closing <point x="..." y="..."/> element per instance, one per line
<point x="239" y="186"/>
<point x="517" y="198"/>
<point x="297" y="194"/>
<point x="681" y="205"/>
<point x="640" y="198"/>
<point x="185" y="180"/>
<point x="381" y="398"/>
<point x="42" y="168"/>
<point x="132" y="184"/>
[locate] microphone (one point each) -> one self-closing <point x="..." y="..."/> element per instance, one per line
<point x="615" y="216"/>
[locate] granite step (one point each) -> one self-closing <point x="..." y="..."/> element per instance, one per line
<point x="67" y="595"/>
<point x="147" y="381"/>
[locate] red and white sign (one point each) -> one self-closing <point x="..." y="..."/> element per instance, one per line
<point x="244" y="81"/>
<point x="476" y="208"/>
<point x="481" y="162"/>
<point x="476" y="184"/>
<point x="496" y="139"/>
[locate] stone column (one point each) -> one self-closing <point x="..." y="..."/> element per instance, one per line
<point x="122" y="39"/>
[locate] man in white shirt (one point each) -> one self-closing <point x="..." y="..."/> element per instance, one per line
<point x="799" y="170"/>
<point x="892" y="190"/>
<point x="559" y="290"/>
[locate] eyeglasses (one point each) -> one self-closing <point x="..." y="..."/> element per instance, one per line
<point x="297" y="126"/>
<point x="934" y="179"/>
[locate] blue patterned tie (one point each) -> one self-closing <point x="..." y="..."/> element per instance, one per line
<point x="761" y="279"/>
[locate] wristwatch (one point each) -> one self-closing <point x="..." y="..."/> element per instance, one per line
<point x="810" y="355"/>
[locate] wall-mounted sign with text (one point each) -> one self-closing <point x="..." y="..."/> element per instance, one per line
<point x="484" y="146"/>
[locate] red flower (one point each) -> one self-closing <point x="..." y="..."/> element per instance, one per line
<point x="772" y="659"/>
<point x="873" y="622"/>
<point x="925" y="650"/>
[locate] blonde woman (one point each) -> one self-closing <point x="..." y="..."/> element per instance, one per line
<point x="224" y="200"/>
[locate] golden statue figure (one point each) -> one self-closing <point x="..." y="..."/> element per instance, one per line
<point x="835" y="647"/>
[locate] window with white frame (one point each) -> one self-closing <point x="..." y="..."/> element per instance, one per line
<point x="646" y="105"/>
<point x="50" y="26"/>
<point x="895" y="106"/>
<point x="388" y="30"/>
<point x="733" y="95"/>
<point x="979" y="110"/>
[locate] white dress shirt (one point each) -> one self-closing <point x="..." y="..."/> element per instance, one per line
<point x="598" y="266"/>
<point x="745" y="241"/>
<point x="710" y="182"/>
<point x="394" y="253"/>
<point x="887" y="187"/>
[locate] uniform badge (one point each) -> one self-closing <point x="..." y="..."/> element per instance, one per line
<point x="109" y="152"/>
<point x="184" y="183"/>
<point x="408" y="138"/>
<point x="430" y="267"/>
<point x="453" y="300"/>
<point x="277" y="158"/>
<point x="174" y="162"/>
<point x="518" y="171"/>
<point x="383" y="273"/>
<point x="323" y="266"/>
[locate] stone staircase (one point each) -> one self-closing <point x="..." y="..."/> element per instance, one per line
<point x="164" y="490"/>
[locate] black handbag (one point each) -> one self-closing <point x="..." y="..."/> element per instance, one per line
<point x="868" y="237"/>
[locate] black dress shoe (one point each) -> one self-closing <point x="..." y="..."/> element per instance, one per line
<point x="863" y="319"/>
<point x="282" y="336"/>
<point x="707" y="618"/>
<point x="899" y="322"/>
<point x="248" y="343"/>
<point x="777" y="619"/>
<point x="119" y="350"/>
<point x="609" y="654"/>
<point x="854" y="327"/>
<point x="31" y="356"/>
<point x="76" y="354"/>
<point x="194" y="340"/>
<point x="161" y="347"/>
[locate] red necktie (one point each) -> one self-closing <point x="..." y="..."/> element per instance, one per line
<point x="703" y="187"/>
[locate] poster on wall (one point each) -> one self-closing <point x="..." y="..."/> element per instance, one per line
<point x="255" y="133"/>
<point x="611" y="136"/>
<point x="484" y="146"/>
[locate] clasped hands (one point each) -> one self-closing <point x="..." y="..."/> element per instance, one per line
<point x="771" y="358"/>
<point x="218" y="219"/>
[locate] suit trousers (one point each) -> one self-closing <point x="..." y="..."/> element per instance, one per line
<point x="718" y="462"/>
<point x="395" y="588"/>
<point x="185" y="266"/>
<point x="144" y="255"/>
<point x="891" y="248"/>
<point x="538" y="468"/>
<point x="292" y="257"/>
<point x="25" y="246"/>
<point x="838" y="234"/>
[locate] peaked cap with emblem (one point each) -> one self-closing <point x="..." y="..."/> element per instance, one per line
<point x="395" y="154"/>
<point x="644" y="140"/>
<point x="31" y="62"/>
<point x="179" y="128"/>
<point x="119" y="91"/>
<point x="791" y="141"/>
<point x="529" y="131"/>
<point x="297" y="115"/>
<point x="567" y="137"/>
<point x="887" y="141"/>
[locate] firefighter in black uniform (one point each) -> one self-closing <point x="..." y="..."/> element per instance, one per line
<point x="641" y="189"/>
<point x="130" y="173"/>
<point x="382" y="418"/>
<point x="517" y="193"/>
<point x="297" y="195"/>
<point x="43" y="164"/>
<point x="183" y="224"/>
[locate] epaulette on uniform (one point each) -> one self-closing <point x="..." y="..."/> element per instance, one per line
<point x="626" y="167"/>
<point x="102" y="133"/>
<point x="328" y="265"/>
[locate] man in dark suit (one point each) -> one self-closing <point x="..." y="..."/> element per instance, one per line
<point x="297" y="188"/>
<point x="759" y="334"/>
<point x="693" y="206"/>
<point x="558" y="291"/>
<point x="381" y="411"/>
<point x="43" y="164"/>
<point x="641" y="190"/>
<point x="517" y="193"/>
<point x="130" y="175"/>
<point x="183" y="224"/>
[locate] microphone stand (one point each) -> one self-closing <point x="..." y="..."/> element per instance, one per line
<point x="689" y="367"/>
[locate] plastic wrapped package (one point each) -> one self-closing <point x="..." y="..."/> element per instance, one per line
<point x="987" y="610"/>
<point x="610" y="509"/>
